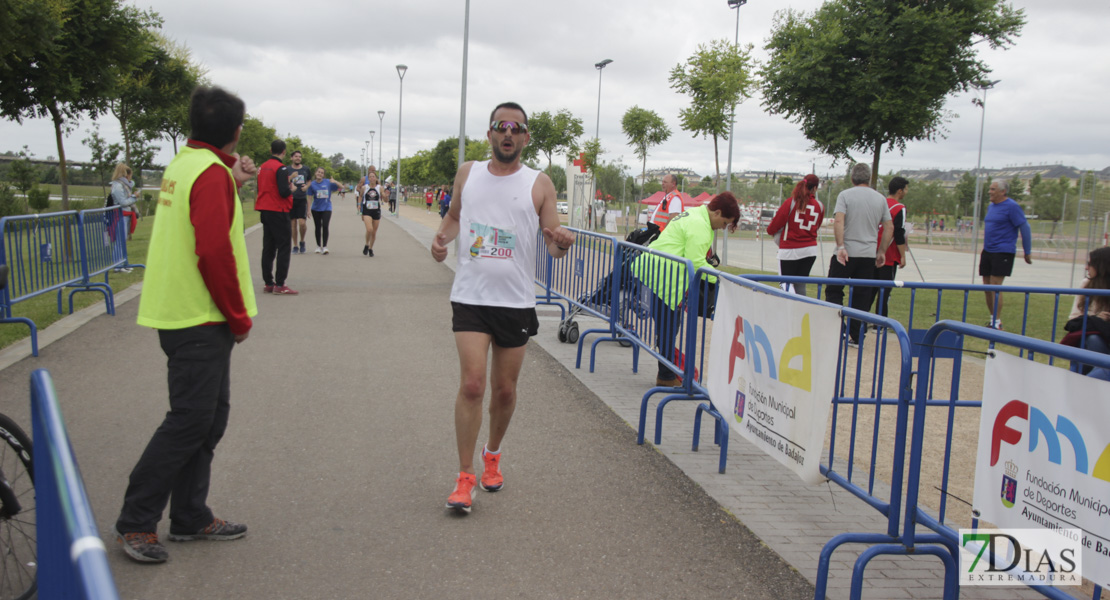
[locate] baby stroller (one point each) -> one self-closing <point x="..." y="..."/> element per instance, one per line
<point x="599" y="298"/>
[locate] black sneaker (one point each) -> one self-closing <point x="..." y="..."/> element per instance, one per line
<point x="302" y="247"/>
<point x="219" y="530"/>
<point x="365" y="250"/>
<point x="370" y="252"/>
<point x="142" y="547"/>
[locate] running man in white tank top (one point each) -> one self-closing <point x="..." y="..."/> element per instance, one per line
<point x="496" y="210"/>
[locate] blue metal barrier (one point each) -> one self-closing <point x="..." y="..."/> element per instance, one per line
<point x="588" y="279"/>
<point x="54" y="251"/>
<point x="946" y="533"/>
<point x="72" y="559"/>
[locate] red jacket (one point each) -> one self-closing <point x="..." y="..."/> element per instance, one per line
<point x="269" y="191"/>
<point x="893" y="257"/>
<point x="800" y="227"/>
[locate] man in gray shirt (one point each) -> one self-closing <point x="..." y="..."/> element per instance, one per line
<point x="859" y="212"/>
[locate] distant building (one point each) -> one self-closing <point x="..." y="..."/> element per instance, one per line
<point x="657" y="175"/>
<point x="1025" y="173"/>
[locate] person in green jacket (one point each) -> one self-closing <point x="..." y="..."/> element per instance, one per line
<point x="689" y="235"/>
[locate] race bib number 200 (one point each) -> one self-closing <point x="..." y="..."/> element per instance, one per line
<point x="490" y="242"/>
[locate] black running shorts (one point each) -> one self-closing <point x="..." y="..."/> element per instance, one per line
<point x="509" y="327"/>
<point x="996" y="264"/>
<point x="299" y="208"/>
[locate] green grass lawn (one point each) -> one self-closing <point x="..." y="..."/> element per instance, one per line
<point x="43" y="310"/>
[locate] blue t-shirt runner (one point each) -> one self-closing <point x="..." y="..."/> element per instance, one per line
<point x="320" y="192"/>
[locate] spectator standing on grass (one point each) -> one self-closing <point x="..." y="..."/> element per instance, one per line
<point x="1001" y="225"/>
<point x="125" y="195"/>
<point x="198" y="295"/>
<point x="859" y="213"/>
<point x="897" y="250"/>
<point x="795" y="228"/>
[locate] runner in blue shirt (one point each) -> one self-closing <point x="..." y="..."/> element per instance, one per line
<point x="1003" y="222"/>
<point x="320" y="191"/>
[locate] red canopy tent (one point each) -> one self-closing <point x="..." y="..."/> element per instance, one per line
<point x="701" y="199"/>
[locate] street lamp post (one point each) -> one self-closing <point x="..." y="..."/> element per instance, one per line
<point x="371" y="147"/>
<point x="731" y="126"/>
<point x="401" y="69"/>
<point x="381" y="115"/>
<point x="462" y="109"/>
<point x="366" y="153"/>
<point x="597" y="136"/>
<point x="982" y="104"/>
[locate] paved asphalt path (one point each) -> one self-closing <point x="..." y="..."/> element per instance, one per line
<point x="340" y="455"/>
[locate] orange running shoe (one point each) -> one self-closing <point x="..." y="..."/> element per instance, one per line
<point x="461" y="498"/>
<point x="491" y="476"/>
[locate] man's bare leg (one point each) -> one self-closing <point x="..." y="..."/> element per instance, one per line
<point x="473" y="348"/>
<point x="507" y="363"/>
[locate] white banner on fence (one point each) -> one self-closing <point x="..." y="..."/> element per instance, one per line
<point x="1044" y="454"/>
<point x="764" y="378"/>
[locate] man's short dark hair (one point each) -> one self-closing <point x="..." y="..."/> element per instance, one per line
<point x="509" y="105"/>
<point x="214" y="115"/>
<point x="898" y="183"/>
<point x="277" y="147"/>
<point x="296" y="152"/>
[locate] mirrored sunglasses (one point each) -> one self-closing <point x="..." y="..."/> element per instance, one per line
<point x="508" y="127"/>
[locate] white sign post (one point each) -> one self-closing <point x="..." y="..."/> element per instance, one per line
<point x="765" y="378"/>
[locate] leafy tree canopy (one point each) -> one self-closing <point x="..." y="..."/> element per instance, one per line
<point x="551" y="134"/>
<point x="644" y="129"/>
<point x="717" y="77"/>
<point x="864" y="74"/>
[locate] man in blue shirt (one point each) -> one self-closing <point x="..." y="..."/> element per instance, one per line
<point x="1001" y="226"/>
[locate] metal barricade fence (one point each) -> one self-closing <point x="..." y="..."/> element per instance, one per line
<point x="105" y="231"/>
<point x="44" y="253"/>
<point x="866" y="451"/>
<point x="71" y="556"/>
<point x="587" y="278"/>
<point x="954" y="477"/>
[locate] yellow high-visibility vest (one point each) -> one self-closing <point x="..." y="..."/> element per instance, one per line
<point x="174" y="295"/>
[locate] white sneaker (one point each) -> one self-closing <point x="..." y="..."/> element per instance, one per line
<point x="325" y="249"/>
<point x="318" y="250"/>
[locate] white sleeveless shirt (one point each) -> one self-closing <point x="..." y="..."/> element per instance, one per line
<point x="496" y="246"/>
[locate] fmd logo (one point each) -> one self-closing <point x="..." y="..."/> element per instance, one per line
<point x="751" y="342"/>
<point x="1035" y="425"/>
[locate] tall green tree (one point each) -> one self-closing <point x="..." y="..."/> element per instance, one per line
<point x="74" y="72"/>
<point x="255" y="139"/>
<point x="23" y="173"/>
<point x="104" y="156"/>
<point x="552" y="134"/>
<point x="159" y="92"/>
<point x="644" y="129"/>
<point x="717" y="77"/>
<point x="864" y="74"/>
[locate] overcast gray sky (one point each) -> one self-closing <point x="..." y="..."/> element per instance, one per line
<point x="322" y="70"/>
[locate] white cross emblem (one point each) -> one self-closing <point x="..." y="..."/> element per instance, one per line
<point x="806" y="219"/>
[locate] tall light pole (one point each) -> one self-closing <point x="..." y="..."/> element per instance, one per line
<point x="600" y="67"/>
<point x="597" y="133"/>
<point x="982" y="104"/>
<point x="381" y="115"/>
<point x="731" y="125"/>
<point x="400" y="103"/>
<point x="371" y="147"/>
<point x="462" y="101"/>
<point x="366" y="153"/>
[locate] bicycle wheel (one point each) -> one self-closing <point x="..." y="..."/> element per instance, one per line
<point x="18" y="545"/>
